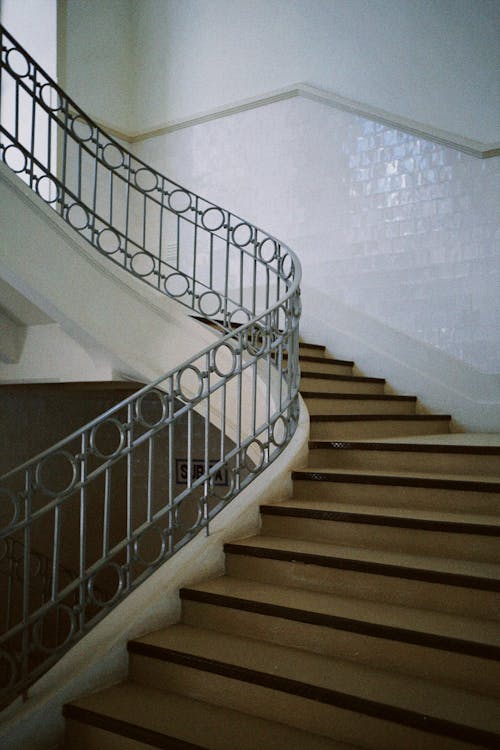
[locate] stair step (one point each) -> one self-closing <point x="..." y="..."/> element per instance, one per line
<point x="311" y="689"/>
<point x="406" y="456"/>
<point x="324" y="364"/>
<point x="419" y="581"/>
<point x="129" y="716"/>
<point x="456" y="537"/>
<point x="356" y="426"/>
<point x="404" y="489"/>
<point x="315" y="350"/>
<point x="460" y="651"/>
<point x="325" y="382"/>
<point x="363" y="403"/>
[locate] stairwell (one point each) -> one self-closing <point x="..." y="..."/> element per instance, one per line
<point x="364" y="615"/>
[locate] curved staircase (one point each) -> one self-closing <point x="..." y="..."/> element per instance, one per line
<point x="364" y="615"/>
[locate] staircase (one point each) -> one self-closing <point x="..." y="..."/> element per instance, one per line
<point x="365" y="614"/>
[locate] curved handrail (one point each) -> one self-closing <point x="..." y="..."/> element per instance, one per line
<point x="235" y="402"/>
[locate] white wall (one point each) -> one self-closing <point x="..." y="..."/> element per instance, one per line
<point x="401" y="229"/>
<point x="433" y="62"/>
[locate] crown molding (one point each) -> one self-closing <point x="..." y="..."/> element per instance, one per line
<point x="428" y="132"/>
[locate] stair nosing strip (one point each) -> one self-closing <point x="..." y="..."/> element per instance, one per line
<point x="362" y="627"/>
<point x="448" y="526"/>
<point x="465" y="485"/>
<point x="378" y="417"/>
<point x="325" y="360"/>
<point x="349" y="702"/>
<point x="391" y="570"/>
<point x="345" y="378"/>
<point x="352" y="445"/>
<point x="127" y="729"/>
<point x="357" y="396"/>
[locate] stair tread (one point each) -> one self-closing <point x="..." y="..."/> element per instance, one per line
<point x="386" y="615"/>
<point x="348" y="378"/>
<point x="487" y="572"/>
<point x="173" y="715"/>
<point x="381" y="474"/>
<point x="326" y="675"/>
<point x="395" y="445"/>
<point x="482" y="520"/>
<point x="356" y="396"/>
<point x="325" y="360"/>
<point x="374" y="417"/>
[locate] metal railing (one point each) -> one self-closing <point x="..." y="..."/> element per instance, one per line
<point x="121" y="495"/>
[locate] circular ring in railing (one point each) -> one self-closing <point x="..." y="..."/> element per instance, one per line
<point x="220" y="352"/>
<point x="69" y="462"/>
<point x="115" y="450"/>
<point x="51" y="97"/>
<point x="286" y="266"/>
<point x="49" y="625"/>
<point x="15" y="159"/>
<point x="226" y="496"/>
<point x="112" y="156"/>
<point x="17" y="63"/>
<point x="9" y="672"/>
<point x="143" y="544"/>
<point x="146" y="180"/>
<point x="250" y="463"/>
<point x="213" y="218"/>
<point x="48" y="189"/>
<point x="188" y="506"/>
<point x="280" y="431"/>
<point x="8" y="517"/>
<point x="179" y="201"/>
<point x="210" y="303"/>
<point x="268" y="250"/>
<point x="239" y="312"/>
<point x="35" y="567"/>
<point x="256" y="342"/>
<point x="193" y="388"/>
<point x="77" y="216"/>
<point x="82" y="129"/>
<point x="143" y="264"/>
<point x="93" y="588"/>
<point x="108" y="241"/>
<point x="160" y="398"/>
<point x="176" y="284"/>
<point x="242" y="234"/>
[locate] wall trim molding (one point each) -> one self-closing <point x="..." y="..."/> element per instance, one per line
<point x="428" y="132"/>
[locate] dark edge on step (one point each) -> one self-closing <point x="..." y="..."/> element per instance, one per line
<point x="465" y="485"/>
<point x="486" y="450"/>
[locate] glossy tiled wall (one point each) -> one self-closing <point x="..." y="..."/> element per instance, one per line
<point x="402" y="229"/>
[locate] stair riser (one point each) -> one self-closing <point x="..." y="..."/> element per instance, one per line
<point x="358" y="406"/>
<point x="339" y="386"/>
<point x="303" y="713"/>
<point x="81" y="736"/>
<point x="447" y="667"/>
<point x="384" y="428"/>
<point x="383" y="495"/>
<point x="394" y="461"/>
<point x="370" y="586"/>
<point x="310" y="351"/>
<point x="390" y="538"/>
<point x="325" y="367"/>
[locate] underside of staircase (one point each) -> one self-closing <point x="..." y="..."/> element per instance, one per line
<point x="364" y="615"/>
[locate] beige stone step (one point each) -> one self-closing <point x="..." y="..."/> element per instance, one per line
<point x="323" y="382"/>
<point x="439" y="458"/>
<point x="324" y="364"/>
<point x="447" y="649"/>
<point x="360" y="427"/>
<point x="407" y="532"/>
<point x="312" y="350"/>
<point x="129" y="716"/>
<point x="363" y="403"/>
<point x="419" y="581"/>
<point x="348" y="702"/>
<point x="453" y="492"/>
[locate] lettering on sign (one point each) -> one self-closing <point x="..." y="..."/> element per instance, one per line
<point x="220" y="477"/>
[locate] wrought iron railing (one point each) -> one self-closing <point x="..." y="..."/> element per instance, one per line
<point x="121" y="495"/>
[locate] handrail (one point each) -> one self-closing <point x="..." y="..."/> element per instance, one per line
<point x="106" y="501"/>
